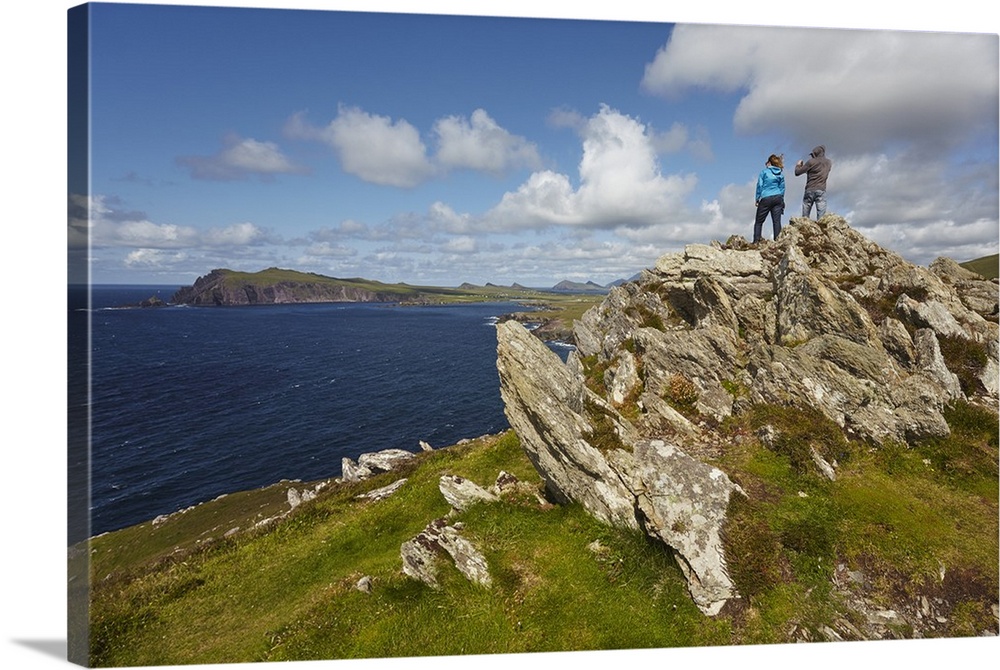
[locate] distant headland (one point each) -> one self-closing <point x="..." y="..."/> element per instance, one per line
<point x="223" y="287"/>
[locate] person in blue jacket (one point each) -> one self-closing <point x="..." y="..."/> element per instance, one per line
<point x="770" y="196"/>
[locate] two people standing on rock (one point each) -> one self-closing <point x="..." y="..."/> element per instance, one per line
<point x="770" y="194"/>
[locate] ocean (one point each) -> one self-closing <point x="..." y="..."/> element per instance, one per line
<point x="188" y="403"/>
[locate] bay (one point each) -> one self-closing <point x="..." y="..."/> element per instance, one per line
<point x="188" y="403"/>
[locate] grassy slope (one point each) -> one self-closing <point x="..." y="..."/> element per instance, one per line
<point x="288" y="593"/>
<point x="988" y="266"/>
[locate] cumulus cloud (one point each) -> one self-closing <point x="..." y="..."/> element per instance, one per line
<point x="479" y="143"/>
<point x="854" y="90"/>
<point x="382" y="151"/>
<point x="378" y="149"/>
<point x="240" y="158"/>
<point x="620" y="183"/>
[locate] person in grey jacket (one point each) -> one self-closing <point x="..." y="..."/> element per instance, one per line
<point x="816" y="169"/>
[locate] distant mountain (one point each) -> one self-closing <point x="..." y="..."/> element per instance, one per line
<point x="578" y="287"/>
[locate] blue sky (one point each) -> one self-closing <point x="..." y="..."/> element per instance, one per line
<point x="438" y="149"/>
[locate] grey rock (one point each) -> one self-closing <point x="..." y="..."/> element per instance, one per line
<point x="383" y="492"/>
<point x="372" y="464"/>
<point x="421" y="556"/>
<point x="462" y="493"/>
<point x="683" y="502"/>
<point x="929" y="314"/>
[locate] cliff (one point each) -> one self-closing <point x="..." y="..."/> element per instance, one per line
<point x="821" y="330"/>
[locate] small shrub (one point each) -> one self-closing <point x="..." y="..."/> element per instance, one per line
<point x="967" y="457"/>
<point x="593" y="373"/>
<point x="682" y="394"/>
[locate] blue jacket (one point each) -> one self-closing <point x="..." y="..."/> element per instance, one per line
<point x="770" y="182"/>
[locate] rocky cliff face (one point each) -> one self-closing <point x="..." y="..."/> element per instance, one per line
<point x="219" y="288"/>
<point x="822" y="319"/>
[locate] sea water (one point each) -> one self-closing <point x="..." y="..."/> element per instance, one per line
<point x="188" y="403"/>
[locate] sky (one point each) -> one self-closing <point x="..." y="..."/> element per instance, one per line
<point x="922" y="203"/>
<point x="439" y="149"/>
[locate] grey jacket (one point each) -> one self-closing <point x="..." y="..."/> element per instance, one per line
<point x="817" y="168"/>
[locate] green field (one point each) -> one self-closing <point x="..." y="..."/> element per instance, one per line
<point x="186" y="591"/>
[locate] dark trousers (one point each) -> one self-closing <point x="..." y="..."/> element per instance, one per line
<point x="773" y="205"/>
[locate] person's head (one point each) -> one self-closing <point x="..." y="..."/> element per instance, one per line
<point x="776" y="160"/>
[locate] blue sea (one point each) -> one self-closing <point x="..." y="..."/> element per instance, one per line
<point x="188" y="403"/>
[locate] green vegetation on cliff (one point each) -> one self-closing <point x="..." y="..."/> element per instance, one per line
<point x="898" y="524"/>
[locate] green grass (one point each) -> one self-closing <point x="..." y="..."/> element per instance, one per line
<point x="987" y="266"/>
<point x="900" y="514"/>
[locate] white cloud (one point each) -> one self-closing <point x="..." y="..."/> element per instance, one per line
<point x="112" y="227"/>
<point x="852" y="90"/>
<point x="377" y="149"/>
<point x="240" y="158"/>
<point x="480" y="144"/>
<point x="442" y="217"/>
<point x="392" y="153"/>
<point x="620" y="183"/>
<point x="236" y="235"/>
<point x="153" y="259"/>
<point x="463" y="244"/>
<point x="328" y="250"/>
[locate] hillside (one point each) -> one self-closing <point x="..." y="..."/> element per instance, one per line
<point x="789" y="442"/>
<point x="987" y="266"/>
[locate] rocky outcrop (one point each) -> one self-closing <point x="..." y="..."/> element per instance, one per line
<point x="587" y="452"/>
<point x="823" y="320"/>
<point x="421" y="554"/>
<point x="373" y="463"/>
